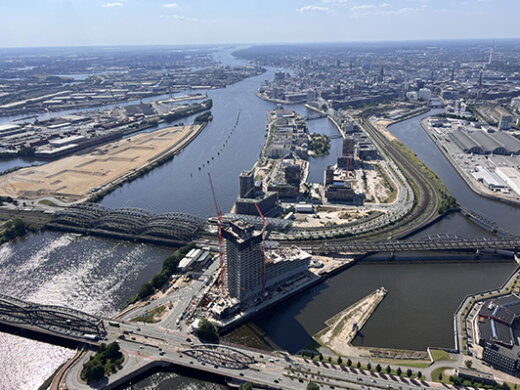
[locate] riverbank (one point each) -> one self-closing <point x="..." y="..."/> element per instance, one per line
<point x="71" y="179"/>
<point x="471" y="184"/>
<point x="344" y="326"/>
<point x="99" y="195"/>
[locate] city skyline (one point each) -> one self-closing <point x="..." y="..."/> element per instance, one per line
<point x="179" y="22"/>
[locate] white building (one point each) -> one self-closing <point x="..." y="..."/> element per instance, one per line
<point x="424" y="94"/>
<point x="489" y="179"/>
<point x="511" y="177"/>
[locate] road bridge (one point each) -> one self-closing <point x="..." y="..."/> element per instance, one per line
<point x="57" y="321"/>
<point x="147" y="344"/>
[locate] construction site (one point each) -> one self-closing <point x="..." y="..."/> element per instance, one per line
<point x="74" y="178"/>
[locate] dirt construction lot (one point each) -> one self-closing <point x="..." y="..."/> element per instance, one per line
<point x="72" y="178"/>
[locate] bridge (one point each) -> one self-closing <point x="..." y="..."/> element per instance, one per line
<point x="485" y="221"/>
<point x="57" y="321"/>
<point x="133" y="223"/>
<point x="220" y="355"/>
<point x="150" y="345"/>
<point x="315" y="116"/>
<point x="432" y="243"/>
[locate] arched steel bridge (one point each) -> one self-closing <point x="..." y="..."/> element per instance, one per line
<point x="427" y="244"/>
<point x="55" y="320"/>
<point x="220" y="355"/>
<point x="132" y="221"/>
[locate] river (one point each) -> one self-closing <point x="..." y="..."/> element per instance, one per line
<point x="97" y="275"/>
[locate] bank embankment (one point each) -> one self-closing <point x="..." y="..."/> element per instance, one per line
<point x="470" y="183"/>
<point x="73" y="178"/>
<point x="344" y="326"/>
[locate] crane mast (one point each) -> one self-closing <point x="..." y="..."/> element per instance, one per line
<point x="264" y="233"/>
<point x="220" y="244"/>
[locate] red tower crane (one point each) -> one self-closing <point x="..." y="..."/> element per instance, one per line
<point x="220" y="245"/>
<point x="264" y="233"/>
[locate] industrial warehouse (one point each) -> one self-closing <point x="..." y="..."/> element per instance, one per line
<point x="497" y="331"/>
<point x="482" y="142"/>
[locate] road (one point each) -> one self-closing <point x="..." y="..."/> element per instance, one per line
<point x="181" y="301"/>
<point x="149" y="344"/>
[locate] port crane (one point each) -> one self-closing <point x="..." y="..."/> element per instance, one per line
<point x="220" y="244"/>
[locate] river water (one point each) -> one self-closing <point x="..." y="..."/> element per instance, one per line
<point x="97" y="275"/>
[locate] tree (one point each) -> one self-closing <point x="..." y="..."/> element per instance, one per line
<point x="330" y="359"/>
<point x="312" y="386"/>
<point x="388" y="370"/>
<point x="246" y="386"/>
<point x="349" y="363"/>
<point x="320" y="357"/>
<point x="419" y="375"/>
<point x="378" y="367"/>
<point x="207" y="331"/>
<point x="408" y="373"/>
<point x="358" y="365"/>
<point x="340" y="360"/>
<point x="440" y="376"/>
<point x="399" y="371"/>
<point x="146" y="289"/>
<point x="468" y="363"/>
<point x="369" y="366"/>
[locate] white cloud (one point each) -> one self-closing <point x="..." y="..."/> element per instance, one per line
<point x="170" y="5"/>
<point x="369" y="6"/>
<point x="178" y="17"/>
<point x="117" y="4"/>
<point x="308" y="8"/>
<point x="334" y="2"/>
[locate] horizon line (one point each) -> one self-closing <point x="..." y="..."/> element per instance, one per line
<point x="262" y="43"/>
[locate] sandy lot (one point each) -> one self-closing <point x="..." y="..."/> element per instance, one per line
<point x="72" y="178"/>
<point x="382" y="125"/>
<point x="343" y="327"/>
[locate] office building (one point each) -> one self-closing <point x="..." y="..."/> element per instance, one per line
<point x="243" y="260"/>
<point x="247" y="184"/>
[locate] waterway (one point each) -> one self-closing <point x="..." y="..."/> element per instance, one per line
<point x="90" y="274"/>
<point x="414" y="136"/>
<point x="97" y="275"/>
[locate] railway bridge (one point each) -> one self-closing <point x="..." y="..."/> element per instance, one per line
<point x="432" y="243"/>
<point x="127" y="223"/>
<point x="51" y="320"/>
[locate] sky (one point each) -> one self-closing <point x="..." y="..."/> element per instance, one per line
<point x="30" y="23"/>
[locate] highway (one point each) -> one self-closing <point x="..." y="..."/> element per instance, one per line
<point x="149" y="344"/>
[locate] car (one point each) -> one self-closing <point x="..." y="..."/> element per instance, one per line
<point x="241" y="374"/>
<point x="162" y="353"/>
<point x="276" y="381"/>
<point x="140" y="347"/>
<point x="188" y="339"/>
